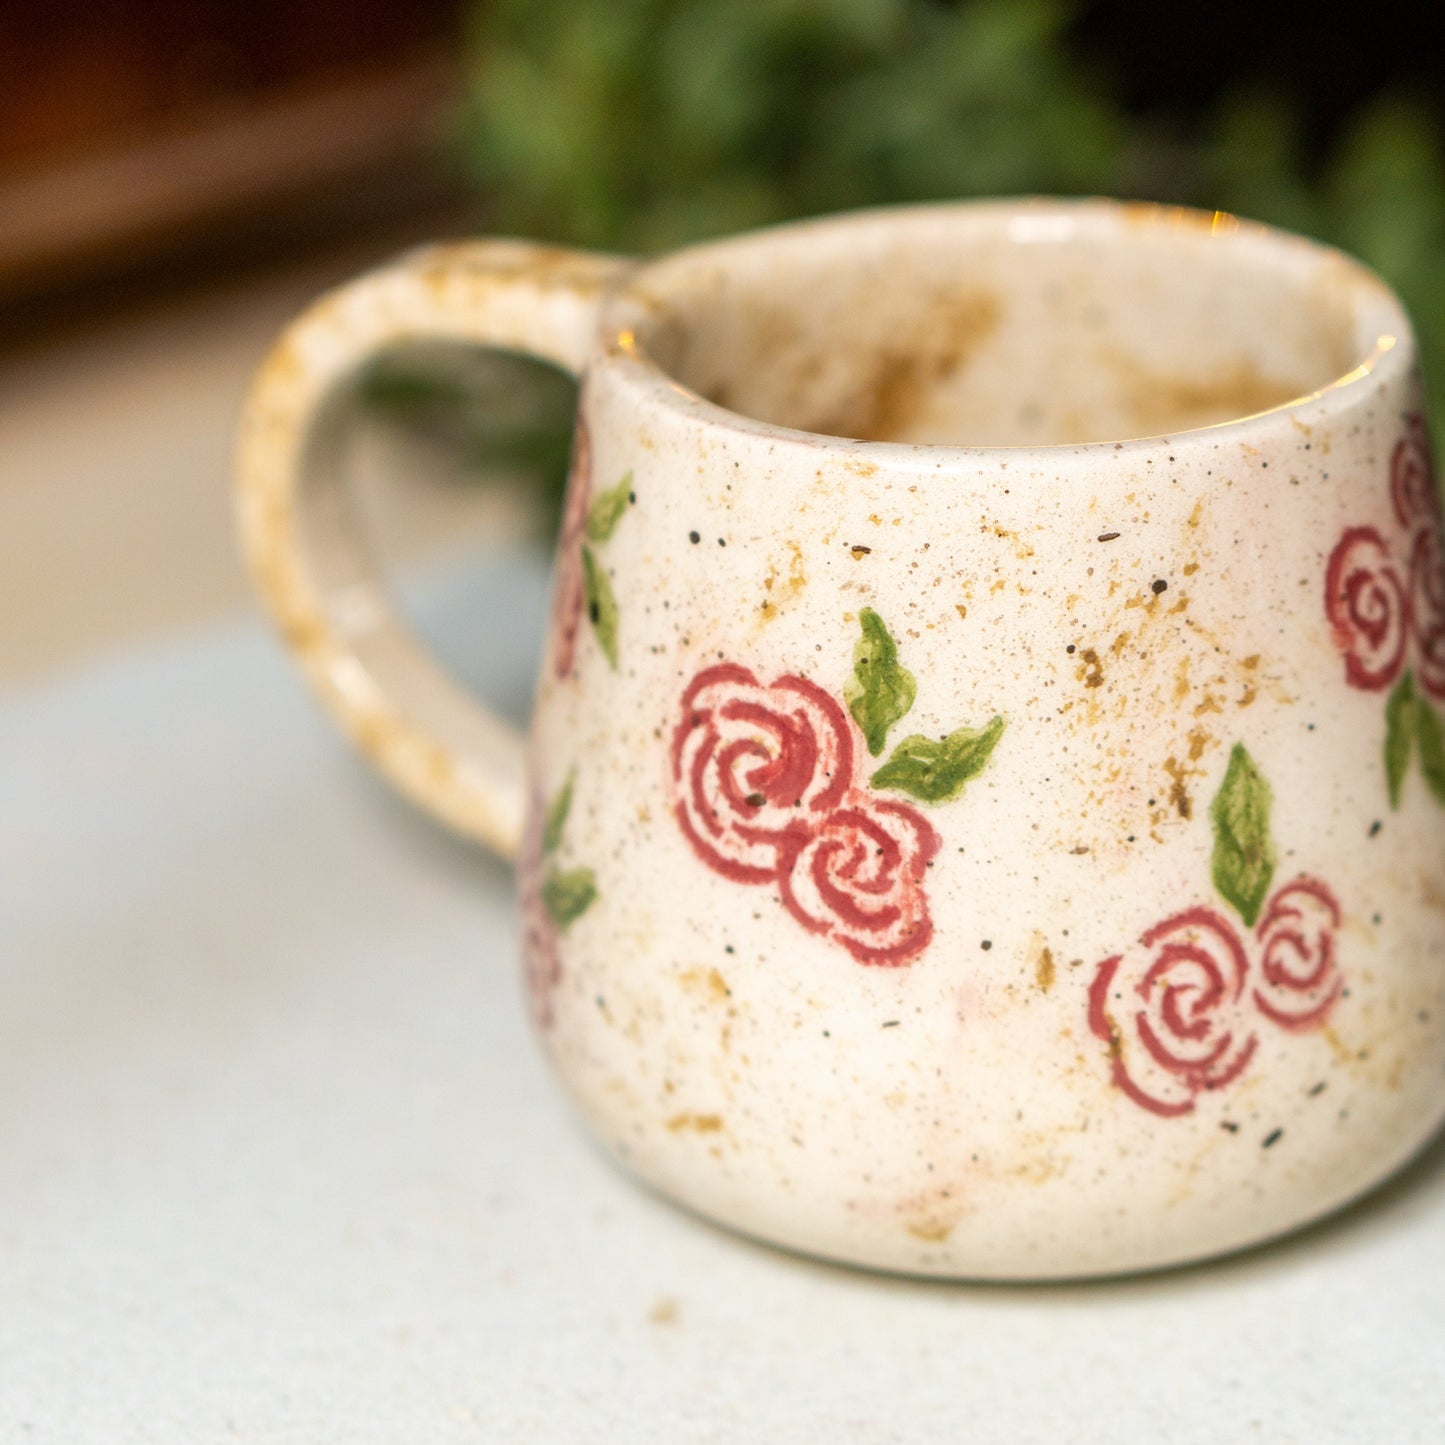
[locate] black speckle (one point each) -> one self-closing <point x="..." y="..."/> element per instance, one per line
<point x="1375" y="827"/>
<point x="728" y="948"/>
<point x="1070" y="648"/>
<point x="1159" y="585"/>
<point x="1272" y="1138"/>
<point x="1230" y="1125"/>
<point x="1108" y="536"/>
<point x="594" y="611"/>
<point x="694" y="537"/>
<point x="891" y="1024"/>
<point x="1318" y="1089"/>
<point x="826" y="1034"/>
<point x="986" y="944"/>
<point x="722" y="541"/>
<point x="632" y="498"/>
<point x="755" y="800"/>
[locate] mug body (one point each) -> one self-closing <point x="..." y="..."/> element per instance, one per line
<point x="987" y="775"/>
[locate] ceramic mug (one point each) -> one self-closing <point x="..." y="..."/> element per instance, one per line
<point x="983" y="811"/>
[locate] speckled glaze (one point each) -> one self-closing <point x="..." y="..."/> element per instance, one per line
<point x="955" y="839"/>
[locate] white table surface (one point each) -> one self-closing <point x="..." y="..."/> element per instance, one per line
<point x="280" y="1163"/>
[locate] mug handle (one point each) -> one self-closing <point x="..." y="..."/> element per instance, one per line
<point x="299" y="523"/>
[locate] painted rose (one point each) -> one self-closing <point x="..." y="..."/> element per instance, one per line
<point x="569" y="588"/>
<point x="757" y="768"/>
<point x="1174" y="1012"/>
<point x="1412" y="478"/>
<point x="1298" y="980"/>
<point x="1368" y="608"/>
<point x="541" y="955"/>
<point x="858" y="879"/>
<point x="1427" y="608"/>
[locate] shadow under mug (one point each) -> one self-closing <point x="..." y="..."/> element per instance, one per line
<point x="983" y="808"/>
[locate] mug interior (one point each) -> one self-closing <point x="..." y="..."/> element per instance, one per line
<point x="1009" y="325"/>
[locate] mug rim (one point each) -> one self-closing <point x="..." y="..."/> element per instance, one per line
<point x="1032" y="220"/>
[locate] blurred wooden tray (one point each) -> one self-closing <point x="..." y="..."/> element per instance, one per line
<point x="359" y="146"/>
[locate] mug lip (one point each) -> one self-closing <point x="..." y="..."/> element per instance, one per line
<point x="1031" y="220"/>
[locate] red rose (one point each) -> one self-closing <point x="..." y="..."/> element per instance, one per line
<point x="569" y="588"/>
<point x="1427" y="607"/>
<point x="1173" y="1012"/>
<point x="859" y="879"/>
<point x="1412" y="479"/>
<point x="541" y="957"/>
<point x="1299" y="976"/>
<point x="757" y="768"/>
<point x="1368" y="608"/>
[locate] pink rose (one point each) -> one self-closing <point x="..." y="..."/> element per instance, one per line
<point x="541" y="957"/>
<point x="756" y="769"/>
<point x="569" y="587"/>
<point x="1412" y="479"/>
<point x="1427" y="607"/>
<point x="1368" y="608"/>
<point x="1174" y="1013"/>
<point x="1299" y="976"/>
<point x="858" y="879"/>
<point x="541" y="964"/>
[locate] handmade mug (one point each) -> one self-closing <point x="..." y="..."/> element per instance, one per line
<point x="983" y="814"/>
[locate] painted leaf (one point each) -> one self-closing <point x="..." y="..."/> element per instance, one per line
<point x="934" y="770"/>
<point x="1401" y="723"/>
<point x="556" y="818"/>
<point x="607" y="509"/>
<point x="1244" y="857"/>
<point x="1430" y="734"/>
<point x="881" y="690"/>
<point x="567" y="896"/>
<point x="601" y="605"/>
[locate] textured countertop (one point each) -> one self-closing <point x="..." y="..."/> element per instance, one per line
<point x="279" y="1161"/>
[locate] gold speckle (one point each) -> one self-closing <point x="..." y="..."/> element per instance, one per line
<point x="1178" y="793"/>
<point x="696" y="1123"/>
<point x="664" y="1312"/>
<point x="1044" y="968"/>
<point x="709" y="981"/>
<point x="931" y="1231"/>
<point x="1090" y="671"/>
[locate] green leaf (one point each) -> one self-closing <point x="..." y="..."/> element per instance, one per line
<point x="556" y="818"/>
<point x="934" y="770"/>
<point x="607" y="509"/>
<point x="567" y="896"/>
<point x="1430" y="734"/>
<point x="1244" y="857"/>
<point x="880" y="690"/>
<point x="1401" y="724"/>
<point x="601" y="605"/>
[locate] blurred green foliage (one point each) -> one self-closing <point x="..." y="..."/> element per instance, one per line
<point x="635" y="125"/>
